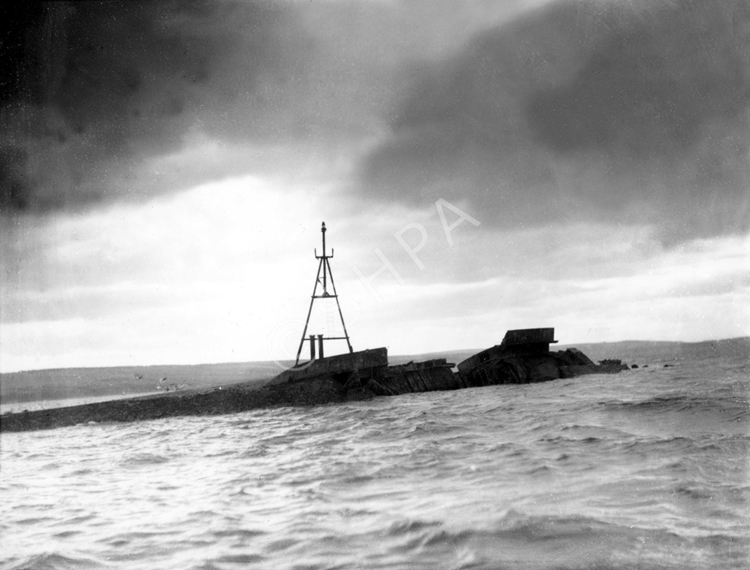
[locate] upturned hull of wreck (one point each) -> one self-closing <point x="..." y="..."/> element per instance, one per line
<point x="522" y="358"/>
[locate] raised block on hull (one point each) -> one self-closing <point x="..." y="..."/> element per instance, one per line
<point x="528" y="341"/>
<point x="339" y="366"/>
<point x="515" y="342"/>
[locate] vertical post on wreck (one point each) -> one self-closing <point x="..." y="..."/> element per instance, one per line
<point x="324" y="267"/>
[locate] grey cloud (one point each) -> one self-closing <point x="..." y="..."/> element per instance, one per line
<point x="88" y="89"/>
<point x="624" y="112"/>
<point x="580" y="110"/>
<point x="90" y="92"/>
<point x="653" y="84"/>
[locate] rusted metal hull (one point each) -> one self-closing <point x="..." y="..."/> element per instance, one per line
<point x="522" y="358"/>
<point x="353" y="376"/>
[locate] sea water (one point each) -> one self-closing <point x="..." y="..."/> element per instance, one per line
<point x="644" y="469"/>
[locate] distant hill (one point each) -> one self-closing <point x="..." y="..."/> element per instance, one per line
<point x="640" y="351"/>
<point x="631" y="351"/>
<point x="68" y="383"/>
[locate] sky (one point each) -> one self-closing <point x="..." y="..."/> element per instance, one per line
<point x="165" y="167"/>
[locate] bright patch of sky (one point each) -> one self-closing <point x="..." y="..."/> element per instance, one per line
<point x="212" y="275"/>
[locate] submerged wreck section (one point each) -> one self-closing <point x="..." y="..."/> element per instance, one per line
<point x="365" y="363"/>
<point x="427" y="376"/>
<point x="523" y="357"/>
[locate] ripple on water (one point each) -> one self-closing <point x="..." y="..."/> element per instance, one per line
<point x="142" y="459"/>
<point x="55" y="561"/>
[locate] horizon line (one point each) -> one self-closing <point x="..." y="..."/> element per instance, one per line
<point x="291" y="360"/>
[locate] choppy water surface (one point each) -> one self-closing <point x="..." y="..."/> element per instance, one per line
<point x="646" y="469"/>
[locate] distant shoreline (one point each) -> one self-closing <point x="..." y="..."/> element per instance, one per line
<point x="36" y="405"/>
<point x="64" y="388"/>
<point x="281" y="365"/>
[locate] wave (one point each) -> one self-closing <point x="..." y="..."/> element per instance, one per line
<point x="138" y="459"/>
<point x="572" y="542"/>
<point x="511" y="525"/>
<point x="55" y="561"/>
<point x="737" y="407"/>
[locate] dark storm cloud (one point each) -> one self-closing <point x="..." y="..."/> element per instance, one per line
<point x="90" y="88"/>
<point x="608" y="110"/>
<point x="652" y="85"/>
